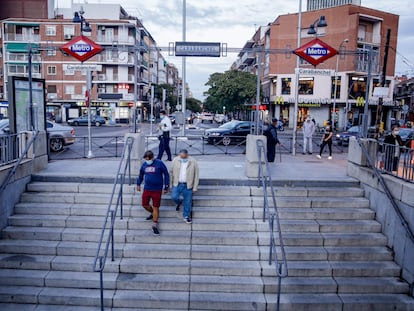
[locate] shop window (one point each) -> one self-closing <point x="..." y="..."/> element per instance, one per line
<point x="377" y="83"/>
<point x="286" y="86"/>
<point x="306" y="86"/>
<point x="357" y="87"/>
<point x="50" y="30"/>
<point x="51" y="89"/>
<point x="338" y="87"/>
<point x="69" y="89"/>
<point x="51" y="70"/>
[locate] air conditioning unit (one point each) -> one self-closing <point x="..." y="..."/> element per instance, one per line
<point x="101" y="90"/>
<point x="68" y="37"/>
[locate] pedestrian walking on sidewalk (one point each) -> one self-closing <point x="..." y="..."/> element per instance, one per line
<point x="393" y="143"/>
<point x="164" y="134"/>
<point x="184" y="174"/>
<point x="272" y="140"/>
<point x="326" y="140"/>
<point x="156" y="180"/>
<point x="308" y="131"/>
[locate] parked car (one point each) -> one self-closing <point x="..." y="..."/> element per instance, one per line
<point x="219" y="118"/>
<point x="207" y="117"/>
<point x="59" y="135"/>
<point x="83" y="120"/>
<point x="407" y="135"/>
<point x="343" y="137"/>
<point x="234" y="131"/>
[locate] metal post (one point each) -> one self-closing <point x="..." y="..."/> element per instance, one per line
<point x="184" y="95"/>
<point x="152" y="108"/>
<point x="101" y="282"/>
<point x="367" y="92"/>
<point x="295" y="114"/>
<point x="31" y="110"/>
<point x="259" y="60"/>
<point x="135" y="87"/>
<point x="336" y="84"/>
<point x="88" y="87"/>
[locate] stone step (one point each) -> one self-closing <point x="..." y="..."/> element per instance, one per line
<point x="306" y="268"/>
<point x="23" y="261"/>
<point x="341" y="213"/>
<point x="349" y="192"/>
<point x="198" y="267"/>
<point x="195" y="237"/>
<point x="319" y="202"/>
<point x="327" y="239"/>
<point x="377" y="302"/>
<point x="371" y="285"/>
<point x="128" y="189"/>
<point x="82" y="264"/>
<point x="151" y="299"/>
<point x="227" y="301"/>
<point x="38" y="307"/>
<point x="316" y="285"/>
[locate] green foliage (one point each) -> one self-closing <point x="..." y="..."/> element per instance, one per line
<point x="194" y="105"/>
<point x="231" y="89"/>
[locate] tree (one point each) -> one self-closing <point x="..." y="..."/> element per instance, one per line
<point x="194" y="105"/>
<point x="170" y="97"/>
<point x="231" y="89"/>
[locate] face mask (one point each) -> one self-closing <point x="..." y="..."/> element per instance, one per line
<point x="149" y="162"/>
<point x="184" y="160"/>
<point x="396" y="133"/>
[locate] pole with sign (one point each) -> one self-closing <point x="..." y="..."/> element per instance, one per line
<point x="88" y="103"/>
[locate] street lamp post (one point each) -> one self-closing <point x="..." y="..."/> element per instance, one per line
<point x="184" y="69"/>
<point x="295" y="114"/>
<point x="336" y="82"/>
<point x="78" y="18"/>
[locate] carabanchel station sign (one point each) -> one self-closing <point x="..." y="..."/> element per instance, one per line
<point x="198" y="49"/>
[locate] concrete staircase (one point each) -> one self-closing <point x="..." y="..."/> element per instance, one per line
<point x="337" y="256"/>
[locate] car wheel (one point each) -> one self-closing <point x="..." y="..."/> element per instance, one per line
<point x="97" y="123"/>
<point x="226" y="140"/>
<point x="76" y="123"/>
<point x="56" y="144"/>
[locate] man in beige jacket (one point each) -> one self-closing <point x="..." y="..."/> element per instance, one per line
<point x="184" y="178"/>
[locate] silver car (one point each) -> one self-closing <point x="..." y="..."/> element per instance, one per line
<point x="59" y="135"/>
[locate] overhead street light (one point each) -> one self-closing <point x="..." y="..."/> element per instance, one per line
<point x="319" y="23"/>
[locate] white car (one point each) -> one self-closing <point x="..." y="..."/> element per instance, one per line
<point x="206" y="117"/>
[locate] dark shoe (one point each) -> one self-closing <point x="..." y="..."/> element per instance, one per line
<point x="155" y="231"/>
<point x="149" y="218"/>
<point x="187" y="220"/>
<point x="177" y="208"/>
<point x="303" y="153"/>
<point x="310" y="153"/>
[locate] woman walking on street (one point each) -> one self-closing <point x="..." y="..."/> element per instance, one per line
<point x="327" y="140"/>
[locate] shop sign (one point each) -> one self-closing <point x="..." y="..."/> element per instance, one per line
<point x="315" y="52"/>
<point x="314" y="72"/>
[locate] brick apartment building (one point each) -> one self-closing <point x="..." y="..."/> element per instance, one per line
<point x="127" y="44"/>
<point x="364" y="28"/>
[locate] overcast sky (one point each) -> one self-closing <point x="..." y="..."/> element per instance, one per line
<point x="234" y="22"/>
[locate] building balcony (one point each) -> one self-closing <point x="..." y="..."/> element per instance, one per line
<point x="115" y="78"/>
<point x="22" y="57"/>
<point x="248" y="58"/>
<point x="115" y="40"/>
<point x="144" y="64"/>
<point x="105" y="59"/>
<point x="21" y="37"/>
<point x="143" y="46"/>
<point x="19" y="74"/>
<point x="52" y="95"/>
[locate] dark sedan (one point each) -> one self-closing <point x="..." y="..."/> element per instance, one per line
<point x="83" y="120"/>
<point x="234" y="131"/>
<point x="343" y="137"/>
<point x="407" y="135"/>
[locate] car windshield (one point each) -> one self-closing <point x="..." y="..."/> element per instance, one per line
<point x="403" y="132"/>
<point x="228" y="125"/>
<point x="354" y="129"/>
<point x="4" y="123"/>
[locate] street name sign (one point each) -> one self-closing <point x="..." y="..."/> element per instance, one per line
<point x="91" y="67"/>
<point x="82" y="48"/>
<point x="198" y="49"/>
<point x="315" y="52"/>
<point x="314" y="72"/>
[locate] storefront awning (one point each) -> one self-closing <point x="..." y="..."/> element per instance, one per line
<point x="21" y="47"/>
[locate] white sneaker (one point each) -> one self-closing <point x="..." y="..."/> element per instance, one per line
<point x="329" y="158"/>
<point x="319" y="157"/>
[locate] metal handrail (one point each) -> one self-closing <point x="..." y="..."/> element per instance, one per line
<point x="266" y="182"/>
<point x="18" y="162"/>
<point x="387" y="191"/>
<point x="111" y="212"/>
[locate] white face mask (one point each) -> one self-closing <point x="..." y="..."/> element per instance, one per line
<point x="396" y="133"/>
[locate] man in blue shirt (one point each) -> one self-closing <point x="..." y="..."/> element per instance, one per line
<point x="155" y="175"/>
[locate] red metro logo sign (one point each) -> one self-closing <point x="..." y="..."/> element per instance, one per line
<point x="315" y="52"/>
<point x="82" y="48"/>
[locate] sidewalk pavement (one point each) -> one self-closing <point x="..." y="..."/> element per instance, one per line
<point x="216" y="167"/>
